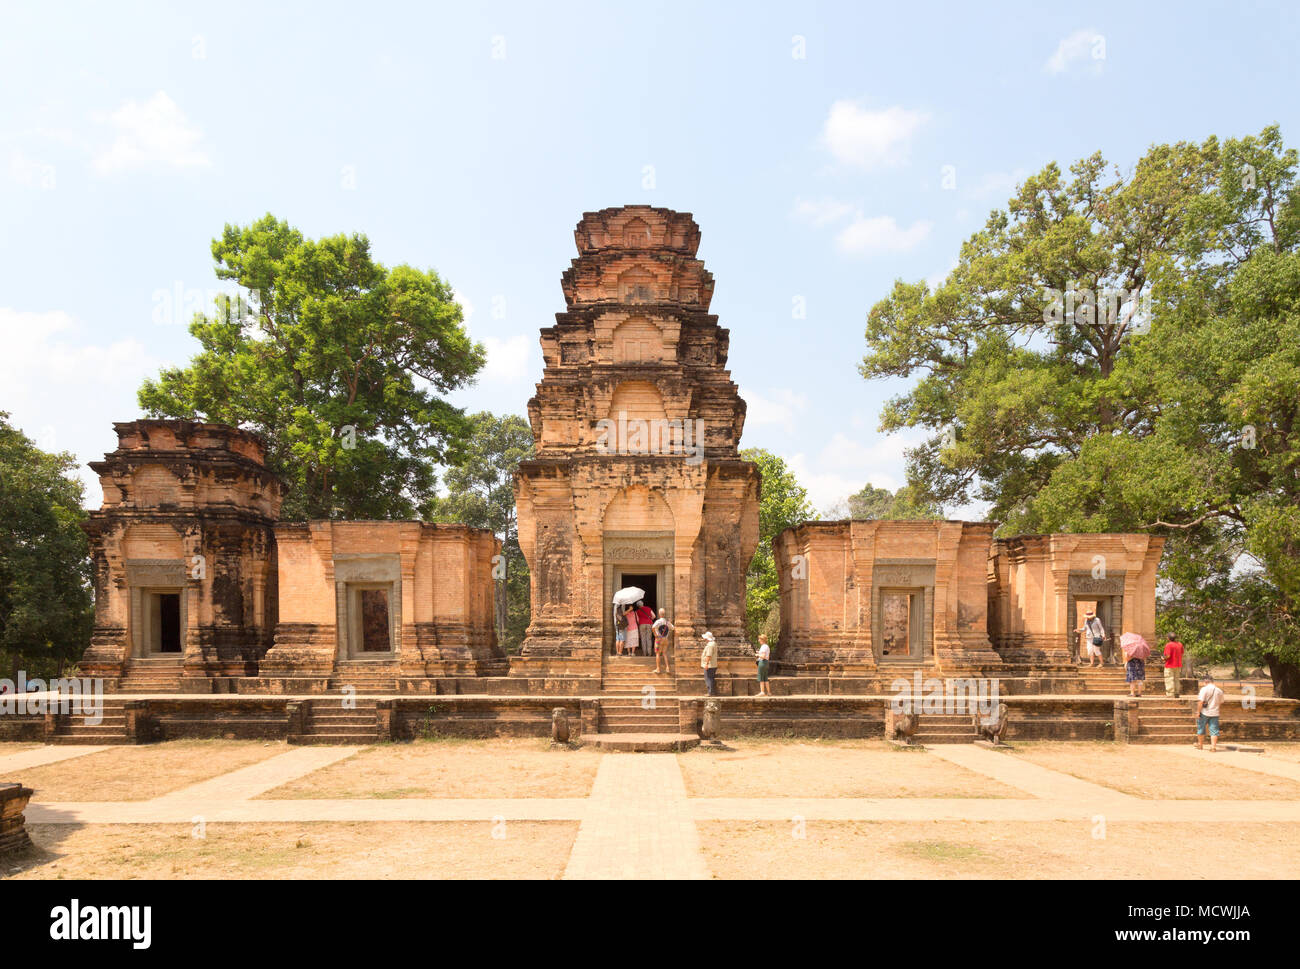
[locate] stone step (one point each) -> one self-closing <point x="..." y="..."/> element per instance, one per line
<point x="343" y="739"/>
<point x="642" y="742"/>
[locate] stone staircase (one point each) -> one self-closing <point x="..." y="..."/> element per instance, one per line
<point x="631" y="717"/>
<point x="330" y="722"/>
<point x="152" y="675"/>
<point x="945" y="728"/>
<point x="1165" y="720"/>
<point x="73" y="728"/>
<point x="1109" y="680"/>
<point x="628" y="706"/>
<point x="364" y="677"/>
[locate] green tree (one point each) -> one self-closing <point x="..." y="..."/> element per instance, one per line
<point x="45" y="591"/>
<point x="338" y="361"/>
<point x="481" y="493"/>
<point x="1180" y="421"/>
<point x="908" y="502"/>
<point x="784" y="503"/>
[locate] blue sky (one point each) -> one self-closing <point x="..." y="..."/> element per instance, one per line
<point x="809" y="140"/>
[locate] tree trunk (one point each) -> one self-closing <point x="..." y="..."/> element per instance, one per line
<point x="1286" y="678"/>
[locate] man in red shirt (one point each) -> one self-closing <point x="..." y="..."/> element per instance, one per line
<point x="1173" y="665"/>
<point x="645" y="617"/>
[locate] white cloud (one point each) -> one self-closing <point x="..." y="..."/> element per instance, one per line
<point x="880" y="233"/>
<point x="862" y="138"/>
<point x="65" y="391"/>
<point x="1081" y="45"/>
<point x="821" y="211"/>
<point x="153" y="134"/>
<point x="29" y="172"/>
<point x="507" y="359"/>
<point x="846" y="463"/>
<point x="778" y="410"/>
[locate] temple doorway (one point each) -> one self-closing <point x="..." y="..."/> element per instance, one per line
<point x="1108" y="611"/>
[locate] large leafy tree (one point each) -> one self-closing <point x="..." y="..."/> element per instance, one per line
<point x="338" y="361"/>
<point x="784" y="503"/>
<point x="45" y="589"/>
<point x="480" y="488"/>
<point x="872" y="503"/>
<point x="1183" y="423"/>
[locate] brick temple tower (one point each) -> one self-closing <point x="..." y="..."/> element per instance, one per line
<point x="184" y="557"/>
<point x="637" y="478"/>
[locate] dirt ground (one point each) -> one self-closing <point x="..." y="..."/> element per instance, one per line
<point x="13" y="747"/>
<point x="954" y="850"/>
<point x="1155" y="773"/>
<point x="1286" y="752"/>
<point x="488" y="768"/>
<point x="863" y="768"/>
<point x="441" y="849"/>
<point x="145" y="772"/>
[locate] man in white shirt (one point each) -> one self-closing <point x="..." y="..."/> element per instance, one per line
<point x="1208" y="703"/>
<point x="709" y="663"/>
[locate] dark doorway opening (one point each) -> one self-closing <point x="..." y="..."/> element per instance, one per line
<point x="169" y="622"/>
<point x="647" y="582"/>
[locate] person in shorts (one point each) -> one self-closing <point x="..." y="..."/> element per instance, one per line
<point x="662" y="629"/>
<point x="764" y="655"/>
<point x="1208" y="703"/>
<point x="1094" y="635"/>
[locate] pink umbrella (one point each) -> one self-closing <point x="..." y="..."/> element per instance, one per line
<point x="1134" y="646"/>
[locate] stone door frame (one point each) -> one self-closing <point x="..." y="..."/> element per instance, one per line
<point x="145" y="577"/>
<point x="915" y="577"/>
<point x="637" y="552"/>
<point x="1108" y="593"/>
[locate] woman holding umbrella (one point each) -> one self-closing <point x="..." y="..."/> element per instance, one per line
<point x="625" y="621"/>
<point x="1136" y="650"/>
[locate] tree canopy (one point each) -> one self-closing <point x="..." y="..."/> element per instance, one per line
<point x="480" y="488"/>
<point x="784" y="503"/>
<point x="45" y="593"/>
<point x="338" y="361"/>
<point x="1170" y="408"/>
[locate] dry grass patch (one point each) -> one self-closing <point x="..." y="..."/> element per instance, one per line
<point x="353" y="850"/>
<point x="850" y="768"/>
<point x="1151" y="772"/>
<point x="145" y="772"/>
<point x="983" y="849"/>
<point x="484" y="768"/>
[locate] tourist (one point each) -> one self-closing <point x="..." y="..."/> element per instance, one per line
<point x="633" y="630"/>
<point x="645" y="617"/>
<point x="1135" y="665"/>
<point x="1208" y="702"/>
<point x="709" y="663"/>
<point x="662" y="628"/>
<point x="764" y="655"/>
<point x="620" y="633"/>
<point x="1173" y="666"/>
<point x="1094" y="634"/>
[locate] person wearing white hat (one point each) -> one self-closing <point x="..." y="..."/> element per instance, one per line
<point x="709" y="663"/>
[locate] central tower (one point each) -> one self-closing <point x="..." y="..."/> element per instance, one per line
<point x="637" y="478"/>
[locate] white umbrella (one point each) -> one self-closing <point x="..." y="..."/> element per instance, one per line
<point x="625" y="597"/>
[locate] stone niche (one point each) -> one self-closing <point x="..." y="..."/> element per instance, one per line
<point x="382" y="605"/>
<point x="637" y="476"/>
<point x="184" y="557"/>
<point x="1039" y="585"/>
<point x="861" y="596"/>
